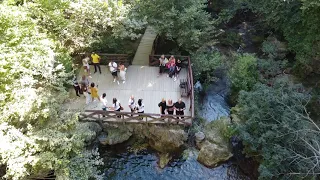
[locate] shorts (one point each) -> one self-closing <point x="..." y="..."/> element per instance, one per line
<point x="115" y="73"/>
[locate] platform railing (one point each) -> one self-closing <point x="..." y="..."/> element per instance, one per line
<point x="106" y="58"/>
<point x="101" y="116"/>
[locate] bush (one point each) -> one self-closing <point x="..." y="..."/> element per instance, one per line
<point x="204" y="65"/>
<point x="278" y="132"/>
<point x="244" y="73"/>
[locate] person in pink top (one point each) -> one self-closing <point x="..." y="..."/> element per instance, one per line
<point x="171" y="66"/>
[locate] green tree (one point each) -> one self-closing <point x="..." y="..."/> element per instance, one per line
<point x="37" y="134"/>
<point x="204" y="65"/>
<point x="298" y="21"/>
<point x="244" y="72"/>
<point x="183" y="21"/>
<point x="78" y="24"/>
<point x="278" y="132"/>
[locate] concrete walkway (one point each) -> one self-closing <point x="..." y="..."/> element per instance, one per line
<point x="144" y="49"/>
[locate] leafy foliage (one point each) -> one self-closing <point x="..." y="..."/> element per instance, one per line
<point x="270" y="68"/>
<point x="37" y="134"/>
<point x="276" y="127"/>
<point x="205" y="63"/>
<point x="184" y="21"/>
<point x="244" y="72"/>
<point x="78" y="24"/>
<point x="298" y="21"/>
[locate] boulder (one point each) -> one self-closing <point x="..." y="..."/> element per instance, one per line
<point x="199" y="137"/>
<point x="116" y="135"/>
<point x="164" y="159"/>
<point x="95" y="128"/>
<point x="215" y="149"/>
<point x="165" y="140"/>
<point x="211" y="154"/>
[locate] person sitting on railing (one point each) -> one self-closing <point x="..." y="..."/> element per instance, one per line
<point x="170" y="107"/>
<point x="179" y="107"/>
<point x="178" y="67"/>
<point x="172" y="66"/>
<point x="163" y="61"/>
<point x="162" y="105"/>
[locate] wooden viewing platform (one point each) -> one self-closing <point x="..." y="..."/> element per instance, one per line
<point x="142" y="82"/>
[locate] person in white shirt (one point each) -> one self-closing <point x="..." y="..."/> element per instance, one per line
<point x="113" y="67"/>
<point x="86" y="66"/>
<point x="140" y="106"/>
<point x="162" y="64"/>
<point x="132" y="104"/>
<point x="116" y="106"/>
<point x="104" y="102"/>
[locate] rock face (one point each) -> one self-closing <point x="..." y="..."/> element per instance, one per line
<point x="199" y="137"/>
<point x="116" y="135"/>
<point x="165" y="140"/>
<point x="95" y="127"/>
<point x="215" y="148"/>
<point x="211" y="154"/>
<point x="164" y="159"/>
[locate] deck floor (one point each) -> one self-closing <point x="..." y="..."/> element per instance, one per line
<point x="142" y="82"/>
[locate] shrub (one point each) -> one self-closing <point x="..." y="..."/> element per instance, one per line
<point x="244" y="73"/>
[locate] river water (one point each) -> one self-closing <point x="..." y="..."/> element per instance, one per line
<point x="126" y="165"/>
<point x="213" y="104"/>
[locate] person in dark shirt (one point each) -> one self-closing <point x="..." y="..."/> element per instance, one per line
<point x="170" y="107"/>
<point x="179" y="107"/>
<point x="162" y="106"/>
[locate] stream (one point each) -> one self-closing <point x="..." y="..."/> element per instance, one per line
<point x="123" y="164"/>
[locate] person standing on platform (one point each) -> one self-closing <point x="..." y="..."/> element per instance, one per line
<point x="76" y="86"/>
<point x="162" y="105"/>
<point x="116" y="106"/>
<point x="113" y="67"/>
<point x="104" y="102"/>
<point x="140" y="106"/>
<point x="122" y="73"/>
<point x="96" y="62"/>
<point x="179" y="107"/>
<point x="132" y="104"/>
<point x="94" y="92"/>
<point x="170" y="107"/>
<point x="86" y="66"/>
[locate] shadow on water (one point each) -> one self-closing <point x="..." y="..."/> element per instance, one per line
<point x="122" y="164"/>
<point x="213" y="103"/>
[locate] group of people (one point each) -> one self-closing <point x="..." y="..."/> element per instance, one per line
<point x="90" y="90"/>
<point x="170" y="107"/>
<point x="113" y="67"/>
<point x="172" y="65"/>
